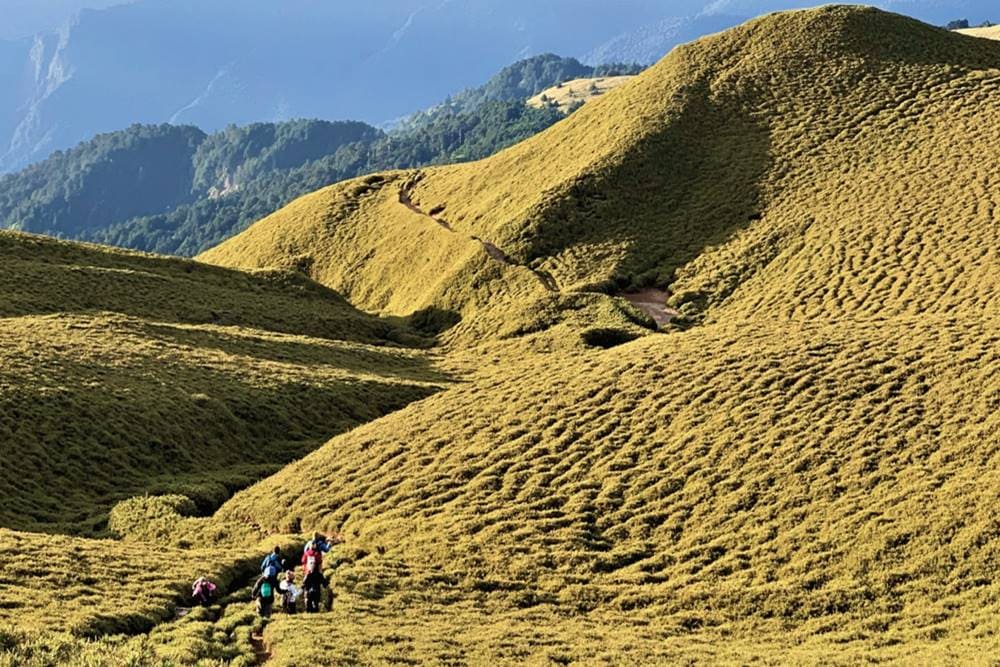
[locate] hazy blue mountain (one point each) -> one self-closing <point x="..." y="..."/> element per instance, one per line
<point x="937" y="12"/>
<point x="23" y="18"/>
<point x="651" y="42"/>
<point x="691" y="19"/>
<point x="213" y="63"/>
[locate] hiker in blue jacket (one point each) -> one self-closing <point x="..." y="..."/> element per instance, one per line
<point x="273" y="559"/>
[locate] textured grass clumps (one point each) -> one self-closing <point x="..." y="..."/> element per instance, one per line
<point x="149" y="517"/>
<point x="116" y="381"/>
<point x="91" y="588"/>
<point x="804" y="471"/>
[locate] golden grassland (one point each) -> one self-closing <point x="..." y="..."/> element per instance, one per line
<point x="804" y="123"/>
<point x="123" y="374"/>
<point x="577" y="91"/>
<point x="802" y="470"/>
<point x="992" y="32"/>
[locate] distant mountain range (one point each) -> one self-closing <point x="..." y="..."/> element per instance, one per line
<point x="211" y="64"/>
<point x="175" y="189"/>
<point x="214" y="63"/>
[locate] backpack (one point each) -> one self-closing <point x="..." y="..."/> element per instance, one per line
<point x="266" y="591"/>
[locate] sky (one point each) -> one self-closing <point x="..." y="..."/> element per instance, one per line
<point x="21" y="18"/>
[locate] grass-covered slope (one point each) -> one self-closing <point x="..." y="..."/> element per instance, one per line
<point x="829" y="479"/>
<point x="808" y="472"/>
<point x="993" y="32"/>
<point x="805" y="472"/>
<point x="572" y="94"/>
<point x="122" y="374"/>
<point x="729" y="163"/>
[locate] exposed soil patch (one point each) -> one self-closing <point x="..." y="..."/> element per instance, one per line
<point x="653" y="302"/>
<point x="261" y="652"/>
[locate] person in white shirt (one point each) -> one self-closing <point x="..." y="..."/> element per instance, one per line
<point x="289" y="592"/>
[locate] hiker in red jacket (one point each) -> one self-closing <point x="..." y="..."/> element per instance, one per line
<point x="312" y="557"/>
<point x="312" y="560"/>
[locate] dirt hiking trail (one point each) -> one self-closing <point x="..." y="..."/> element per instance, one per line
<point x="406" y="199"/>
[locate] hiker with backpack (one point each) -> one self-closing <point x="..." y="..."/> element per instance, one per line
<point x="322" y="543"/>
<point x="313" y="586"/>
<point x="275" y="560"/>
<point x="203" y="591"/>
<point x="314" y="581"/>
<point x="312" y="556"/>
<point x="289" y="593"/>
<point x="264" y="590"/>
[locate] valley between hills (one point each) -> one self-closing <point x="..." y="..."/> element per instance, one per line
<point x="706" y="372"/>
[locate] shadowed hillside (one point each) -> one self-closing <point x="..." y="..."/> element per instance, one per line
<point x="801" y="467"/>
<point x="126" y="374"/>
<point x="704" y="173"/>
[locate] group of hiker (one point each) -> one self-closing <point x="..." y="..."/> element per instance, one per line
<point x="277" y="580"/>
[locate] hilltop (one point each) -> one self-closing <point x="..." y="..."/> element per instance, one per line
<point x="577" y="92"/>
<point x="799" y="466"/>
<point x="987" y="33"/>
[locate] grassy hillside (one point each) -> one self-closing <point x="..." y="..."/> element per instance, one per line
<point x="124" y="374"/>
<point x="801" y="468"/>
<point x="802" y="477"/>
<point x="577" y="92"/>
<point x="806" y="471"/>
<point x="992" y="32"/>
<point x="701" y="175"/>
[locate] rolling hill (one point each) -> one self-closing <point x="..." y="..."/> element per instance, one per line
<point x="800" y="467"/>
<point x="765" y="473"/>
<point x="576" y="92"/>
<point x="125" y="374"/>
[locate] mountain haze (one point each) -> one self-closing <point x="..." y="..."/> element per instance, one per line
<point x="109" y="69"/>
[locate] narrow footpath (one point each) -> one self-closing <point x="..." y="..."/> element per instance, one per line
<point x="406" y="199"/>
<point x="652" y="301"/>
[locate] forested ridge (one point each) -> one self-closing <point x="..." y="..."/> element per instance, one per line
<point x="177" y="190"/>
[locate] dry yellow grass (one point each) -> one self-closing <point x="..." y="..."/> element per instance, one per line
<point x="805" y="471"/>
<point x="992" y="32"/>
<point x="812" y="466"/>
<point x="577" y="91"/>
<point x="122" y="374"/>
